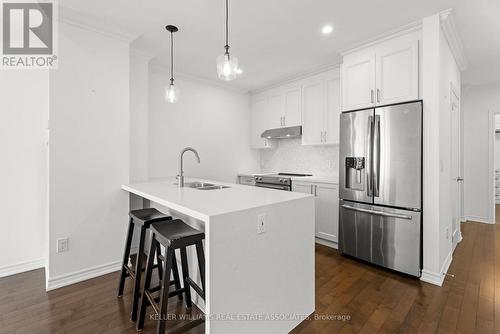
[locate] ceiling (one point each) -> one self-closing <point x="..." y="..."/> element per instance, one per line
<point x="278" y="39"/>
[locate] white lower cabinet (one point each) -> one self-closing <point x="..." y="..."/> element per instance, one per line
<point x="327" y="207"/>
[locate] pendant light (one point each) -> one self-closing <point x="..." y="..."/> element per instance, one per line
<point x="227" y="65"/>
<point x="172" y="92"/>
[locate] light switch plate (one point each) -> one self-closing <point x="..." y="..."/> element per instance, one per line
<point x="261" y="223"/>
<point x="62" y="245"/>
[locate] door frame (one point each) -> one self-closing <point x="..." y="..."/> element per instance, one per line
<point x="456" y="235"/>
<point x="491" y="164"/>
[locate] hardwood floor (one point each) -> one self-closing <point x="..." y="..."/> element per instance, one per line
<point x="373" y="299"/>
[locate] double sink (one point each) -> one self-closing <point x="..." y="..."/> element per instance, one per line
<point x="204" y="186"/>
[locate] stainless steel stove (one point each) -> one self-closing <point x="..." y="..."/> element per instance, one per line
<point x="280" y="181"/>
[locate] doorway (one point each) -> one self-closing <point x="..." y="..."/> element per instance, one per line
<point x="495" y="164"/>
<point x="456" y="166"/>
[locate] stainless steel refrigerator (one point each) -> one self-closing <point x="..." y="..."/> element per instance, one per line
<point x="381" y="186"/>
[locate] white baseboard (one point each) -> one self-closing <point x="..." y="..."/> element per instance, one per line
<point x="327" y="243"/>
<point x="437" y="278"/>
<point x="18" y="268"/>
<point x="479" y="219"/>
<point x="82" y="275"/>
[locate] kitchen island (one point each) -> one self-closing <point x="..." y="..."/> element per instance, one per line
<point x="257" y="281"/>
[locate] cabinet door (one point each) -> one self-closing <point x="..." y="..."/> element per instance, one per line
<point x="275" y="118"/>
<point x="258" y="123"/>
<point x="327" y="211"/>
<point x="301" y="187"/>
<point x="397" y="70"/>
<point x="358" y="80"/>
<point x="313" y="111"/>
<point x="293" y="115"/>
<point x="332" y="117"/>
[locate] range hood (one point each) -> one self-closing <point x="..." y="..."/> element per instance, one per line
<point x="283" y="133"/>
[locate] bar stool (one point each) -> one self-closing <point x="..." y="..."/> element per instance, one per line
<point x="142" y="218"/>
<point x="174" y="235"/>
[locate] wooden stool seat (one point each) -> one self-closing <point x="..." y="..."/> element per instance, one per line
<point x="174" y="235"/>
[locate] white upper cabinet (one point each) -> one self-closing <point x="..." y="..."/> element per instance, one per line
<point x="259" y="122"/>
<point x="397" y="70"/>
<point x="321" y="109"/>
<point x="381" y="74"/>
<point x="358" y="80"/>
<point x="276" y="109"/>
<point x="313" y="111"/>
<point x="292" y="97"/>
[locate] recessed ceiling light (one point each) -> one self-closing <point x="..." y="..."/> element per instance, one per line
<point x="327" y="29"/>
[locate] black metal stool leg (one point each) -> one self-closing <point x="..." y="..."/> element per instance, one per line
<point x="126" y="255"/>
<point x="138" y="273"/>
<point x="185" y="276"/>
<point x="165" y="285"/>
<point x="200" y="254"/>
<point x="147" y="284"/>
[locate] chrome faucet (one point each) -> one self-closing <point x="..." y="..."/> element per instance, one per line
<point x="180" y="177"/>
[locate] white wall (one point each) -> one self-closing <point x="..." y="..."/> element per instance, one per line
<point x="24" y="103"/>
<point x="215" y="121"/>
<point x="89" y="153"/>
<point x="477" y="102"/>
<point x="439" y="68"/>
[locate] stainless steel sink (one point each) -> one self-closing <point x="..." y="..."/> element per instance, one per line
<point x="204" y="186"/>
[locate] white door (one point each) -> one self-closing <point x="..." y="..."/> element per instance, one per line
<point x="258" y="122"/>
<point x="456" y="173"/>
<point x="327" y="211"/>
<point x="313" y="111"/>
<point x="358" y="80"/>
<point x="292" y="114"/>
<point x="276" y="110"/>
<point x="332" y="117"/>
<point x="397" y="70"/>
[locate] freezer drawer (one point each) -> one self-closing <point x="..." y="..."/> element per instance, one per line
<point x="384" y="236"/>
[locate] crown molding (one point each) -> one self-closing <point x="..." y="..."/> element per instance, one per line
<point x="90" y="23"/>
<point x="451" y="34"/>
<point x="162" y="69"/>
<point x="402" y="30"/>
<point x="141" y="54"/>
<point x="296" y="77"/>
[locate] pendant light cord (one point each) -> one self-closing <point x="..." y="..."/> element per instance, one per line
<point x="227" y="28"/>
<point x="171" y="58"/>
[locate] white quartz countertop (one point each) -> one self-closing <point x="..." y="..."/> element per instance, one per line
<point x="313" y="178"/>
<point x="202" y="204"/>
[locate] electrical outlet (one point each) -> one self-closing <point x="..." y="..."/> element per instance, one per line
<point x="261" y="223"/>
<point x="62" y="245"/>
<point x="329" y="164"/>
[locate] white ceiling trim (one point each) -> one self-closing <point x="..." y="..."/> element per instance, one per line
<point x="90" y="23"/>
<point x="451" y="34"/>
<point x="158" y="68"/>
<point x="141" y="54"/>
<point x="297" y="77"/>
<point x="402" y="30"/>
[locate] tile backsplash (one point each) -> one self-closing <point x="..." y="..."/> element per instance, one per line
<point x="289" y="155"/>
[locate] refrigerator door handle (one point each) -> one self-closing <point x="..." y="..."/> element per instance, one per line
<point x="369" y="157"/>
<point x="378" y="213"/>
<point x="376" y="157"/>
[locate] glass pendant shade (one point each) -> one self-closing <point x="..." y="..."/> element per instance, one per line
<point x="227" y="67"/>
<point x="172" y="93"/>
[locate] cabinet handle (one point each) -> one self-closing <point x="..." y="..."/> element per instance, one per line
<point x="311" y="189"/>
<point x="284" y="120"/>
<point x="315" y="190"/>
<point x="378" y="95"/>
<point x="324" y="137"/>
<point x="371" y="96"/>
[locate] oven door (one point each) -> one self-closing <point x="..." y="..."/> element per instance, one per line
<point x="273" y="186"/>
